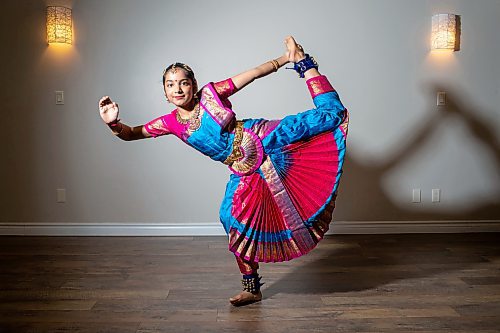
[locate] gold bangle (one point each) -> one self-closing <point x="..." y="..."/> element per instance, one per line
<point x="275" y="66"/>
<point x="272" y="64"/>
<point x="276" y="63"/>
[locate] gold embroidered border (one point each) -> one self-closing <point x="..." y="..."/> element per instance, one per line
<point x="209" y="101"/>
<point x="222" y="87"/>
<point x="316" y="87"/>
<point x="158" y="125"/>
<point x="236" y="154"/>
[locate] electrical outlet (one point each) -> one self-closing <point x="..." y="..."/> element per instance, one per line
<point x="61" y="195"/>
<point x="416" y="195"/>
<point x="441" y="98"/>
<point x="436" y="195"/>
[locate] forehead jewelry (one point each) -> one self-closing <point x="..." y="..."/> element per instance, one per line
<point x="187" y="68"/>
<point x="174" y="67"/>
<point x="172" y="70"/>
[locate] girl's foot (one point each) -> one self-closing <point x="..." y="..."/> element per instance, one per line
<point x="245" y="298"/>
<point x="295" y="52"/>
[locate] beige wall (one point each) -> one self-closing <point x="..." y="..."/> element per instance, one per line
<point x="376" y="54"/>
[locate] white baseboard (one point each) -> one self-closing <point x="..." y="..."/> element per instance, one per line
<point x="111" y="229"/>
<point x="215" y="229"/>
<point x="411" y="227"/>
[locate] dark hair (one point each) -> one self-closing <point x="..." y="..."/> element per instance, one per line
<point x="189" y="72"/>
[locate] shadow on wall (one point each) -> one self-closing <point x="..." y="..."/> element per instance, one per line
<point x="387" y="263"/>
<point x="359" y="178"/>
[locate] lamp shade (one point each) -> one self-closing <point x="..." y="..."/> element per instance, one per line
<point x="445" y="32"/>
<point x="59" y="25"/>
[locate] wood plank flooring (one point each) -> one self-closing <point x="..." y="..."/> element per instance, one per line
<point x="349" y="283"/>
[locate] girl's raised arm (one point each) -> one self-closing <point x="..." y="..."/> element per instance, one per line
<point x="294" y="53"/>
<point x="243" y="79"/>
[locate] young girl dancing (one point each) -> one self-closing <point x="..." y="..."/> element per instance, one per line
<point x="285" y="173"/>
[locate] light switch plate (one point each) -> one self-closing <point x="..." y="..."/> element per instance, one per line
<point x="61" y="195"/>
<point x="59" y="97"/>
<point x="441" y="98"/>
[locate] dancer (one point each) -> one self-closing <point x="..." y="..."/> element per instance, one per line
<point x="285" y="173"/>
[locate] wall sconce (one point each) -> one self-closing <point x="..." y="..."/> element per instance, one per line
<point x="59" y="25"/>
<point x="445" y="32"/>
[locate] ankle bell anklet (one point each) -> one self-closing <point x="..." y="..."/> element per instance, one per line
<point x="251" y="283"/>
<point x="304" y="65"/>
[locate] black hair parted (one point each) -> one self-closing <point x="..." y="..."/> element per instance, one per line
<point x="173" y="67"/>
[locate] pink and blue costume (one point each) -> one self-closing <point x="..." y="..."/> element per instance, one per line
<point x="285" y="173"/>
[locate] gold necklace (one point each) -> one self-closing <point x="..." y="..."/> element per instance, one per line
<point x="180" y="119"/>
<point x="192" y="119"/>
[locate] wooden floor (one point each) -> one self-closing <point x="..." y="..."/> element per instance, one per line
<point x="362" y="283"/>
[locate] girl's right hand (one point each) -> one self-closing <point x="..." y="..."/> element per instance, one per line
<point x="108" y="110"/>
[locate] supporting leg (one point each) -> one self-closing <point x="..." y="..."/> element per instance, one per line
<point x="246" y="267"/>
<point x="251" y="284"/>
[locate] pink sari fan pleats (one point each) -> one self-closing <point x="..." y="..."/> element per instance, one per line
<point x="310" y="173"/>
<point x="285" y="209"/>
<point x="263" y="223"/>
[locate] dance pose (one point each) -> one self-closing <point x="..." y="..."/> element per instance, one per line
<point x="285" y="173"/>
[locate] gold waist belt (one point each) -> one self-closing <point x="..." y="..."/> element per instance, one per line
<point x="236" y="154"/>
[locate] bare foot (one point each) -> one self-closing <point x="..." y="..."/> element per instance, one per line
<point x="245" y="298"/>
<point x="295" y="52"/>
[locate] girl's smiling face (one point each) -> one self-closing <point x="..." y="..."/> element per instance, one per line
<point x="179" y="88"/>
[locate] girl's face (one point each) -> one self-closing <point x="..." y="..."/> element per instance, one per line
<point x="179" y="88"/>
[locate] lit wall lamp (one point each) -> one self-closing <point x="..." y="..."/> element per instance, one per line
<point x="445" y="32"/>
<point x="59" y="25"/>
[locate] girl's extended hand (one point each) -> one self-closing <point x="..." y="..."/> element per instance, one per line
<point x="108" y="110"/>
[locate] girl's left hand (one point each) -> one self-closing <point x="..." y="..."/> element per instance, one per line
<point x="108" y="110"/>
